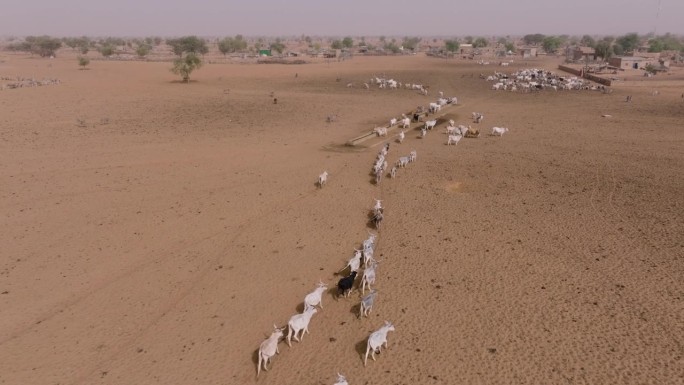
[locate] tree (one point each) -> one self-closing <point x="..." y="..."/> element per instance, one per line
<point x="143" y="49"/>
<point x="336" y="44"/>
<point x="533" y="39"/>
<point x="509" y="46"/>
<point x="229" y="44"/>
<point x="628" y="42"/>
<point x="184" y="66"/>
<point x="451" y="45"/>
<point x="411" y="43"/>
<point x="551" y="43"/>
<point x="588" y="41"/>
<point x="347" y="42"/>
<point x="277" y="46"/>
<point x="188" y="44"/>
<point x="480" y="42"/>
<point x="107" y="50"/>
<point x="43" y="45"/>
<point x="469" y="40"/>
<point x="603" y="49"/>
<point x="392" y="47"/>
<point x="83" y="62"/>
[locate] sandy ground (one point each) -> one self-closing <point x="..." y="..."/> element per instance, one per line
<point x="159" y="243"/>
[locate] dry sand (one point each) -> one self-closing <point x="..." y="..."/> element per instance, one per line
<point x="160" y="247"/>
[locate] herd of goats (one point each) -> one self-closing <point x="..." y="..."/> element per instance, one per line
<point x="21" y="82"/>
<point x="364" y="256"/>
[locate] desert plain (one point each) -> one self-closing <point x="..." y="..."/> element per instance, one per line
<point x="154" y="231"/>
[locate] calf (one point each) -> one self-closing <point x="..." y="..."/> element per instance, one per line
<point x="367" y="303"/>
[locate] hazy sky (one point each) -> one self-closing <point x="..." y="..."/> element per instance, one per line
<point x="337" y="18"/>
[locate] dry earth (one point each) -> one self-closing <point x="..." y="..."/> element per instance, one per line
<point x="160" y="242"/>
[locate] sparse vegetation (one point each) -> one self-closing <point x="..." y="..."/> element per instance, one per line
<point x="188" y="44"/>
<point x="83" y="62"/>
<point x="107" y="50"/>
<point x="480" y="42"/>
<point x="185" y="65"/>
<point x="143" y="49"/>
<point x="229" y="44"/>
<point x="451" y="45"/>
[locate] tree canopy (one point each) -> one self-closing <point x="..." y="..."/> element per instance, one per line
<point x="551" y="43"/>
<point x="628" y="42"/>
<point x="451" y="45"/>
<point x="184" y="66"/>
<point x="480" y="42"/>
<point x="188" y="44"/>
<point x="347" y="42"/>
<point x="410" y="43"/>
<point x="232" y="44"/>
<point x="534" y="39"/>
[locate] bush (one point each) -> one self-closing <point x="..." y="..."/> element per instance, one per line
<point x="185" y="65"/>
<point x="83" y="62"/>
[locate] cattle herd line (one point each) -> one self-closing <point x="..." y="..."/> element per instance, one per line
<point x="534" y="79"/>
<point x="21" y="82"/>
<point x="364" y="256"/>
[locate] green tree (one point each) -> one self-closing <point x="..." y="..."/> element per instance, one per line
<point x="588" y="41"/>
<point x="107" y="50"/>
<point x="185" y="65"/>
<point x="277" y="46"/>
<point x="83" y="62"/>
<point x="451" y="45"/>
<point x="551" y="43"/>
<point x="230" y="44"/>
<point x="336" y="44"/>
<point x="604" y="49"/>
<point x="410" y="43"/>
<point x="533" y="39"/>
<point x="392" y="47"/>
<point x="629" y="42"/>
<point x="188" y="44"/>
<point x="143" y="49"/>
<point x="509" y="46"/>
<point x="347" y="42"/>
<point x="480" y="42"/>
<point x="44" y="45"/>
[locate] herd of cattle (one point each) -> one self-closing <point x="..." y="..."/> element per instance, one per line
<point x="21" y="82"/>
<point x="533" y="79"/>
<point x="298" y="324"/>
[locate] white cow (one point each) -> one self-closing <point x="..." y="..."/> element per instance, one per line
<point x="377" y="339"/>
<point x="454" y="139"/>
<point x="323" y="179"/>
<point x="316" y="297"/>
<point x="499" y="131"/>
<point x="300" y="322"/>
<point x="430" y="124"/>
<point x="269" y="348"/>
<point x="405" y="123"/>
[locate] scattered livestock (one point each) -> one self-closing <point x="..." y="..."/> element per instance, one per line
<point x="323" y="179"/>
<point x="299" y="322"/>
<point x="22" y="82"/>
<point x="367" y="303"/>
<point x="315" y="298"/>
<point x="499" y="131"/>
<point x="377" y="339"/>
<point x="345" y="285"/>
<point x="269" y="348"/>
